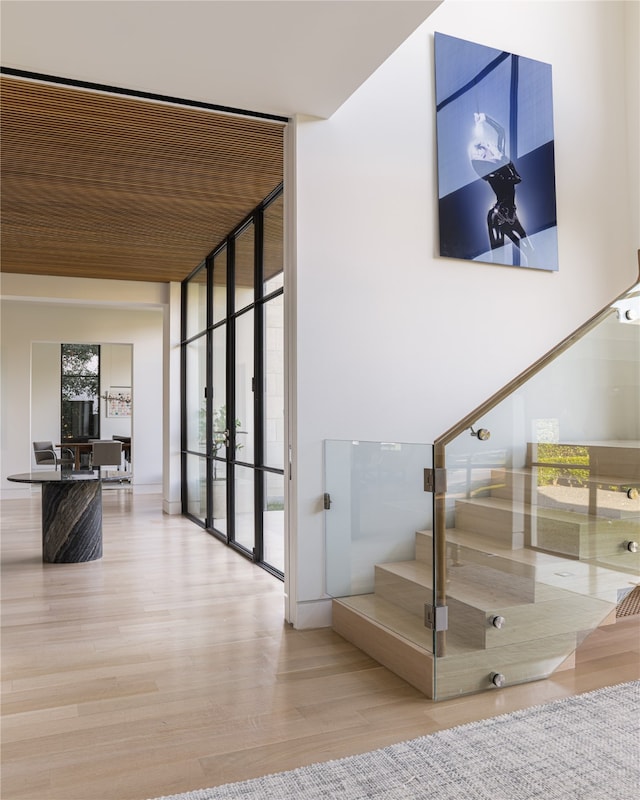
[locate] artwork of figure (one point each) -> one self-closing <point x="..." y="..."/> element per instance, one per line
<point x="488" y="158"/>
<point x="496" y="162"/>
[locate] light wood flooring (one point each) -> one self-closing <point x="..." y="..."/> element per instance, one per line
<point x="167" y="667"/>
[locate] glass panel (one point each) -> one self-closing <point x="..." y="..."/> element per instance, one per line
<point x="219" y="391"/>
<point x="220" y="286"/>
<point x="80" y="391"/>
<point x="375" y="532"/>
<point x="273" y="258"/>
<point x="244" y="268"/>
<point x="196" y="375"/>
<point x="273" y="520"/>
<point x="274" y="383"/>
<point x="244" y="388"/>
<point x="80" y="359"/>
<point x="244" y="518"/>
<point x="197" y="487"/>
<point x="540" y="510"/>
<point x="219" y="496"/>
<point x="197" y="303"/>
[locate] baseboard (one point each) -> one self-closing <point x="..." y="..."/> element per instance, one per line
<point x="313" y="614"/>
<point x="172" y="506"/>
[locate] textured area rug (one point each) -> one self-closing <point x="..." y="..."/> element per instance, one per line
<point x="630" y="605"/>
<point x="578" y="748"/>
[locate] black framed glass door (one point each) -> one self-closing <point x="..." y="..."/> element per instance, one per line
<point x="240" y="470"/>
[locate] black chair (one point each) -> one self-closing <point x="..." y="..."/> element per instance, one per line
<point x="45" y="453"/>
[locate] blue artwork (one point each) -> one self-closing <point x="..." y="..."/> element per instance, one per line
<point x="496" y="169"/>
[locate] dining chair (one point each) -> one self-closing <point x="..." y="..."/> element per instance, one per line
<point x="108" y="453"/>
<point x="45" y="454"/>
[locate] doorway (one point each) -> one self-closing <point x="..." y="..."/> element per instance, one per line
<point x="67" y="379"/>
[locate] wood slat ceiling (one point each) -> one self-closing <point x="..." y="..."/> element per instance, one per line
<point x="105" y="186"/>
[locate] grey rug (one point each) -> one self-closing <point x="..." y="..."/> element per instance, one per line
<point x="585" y="747"/>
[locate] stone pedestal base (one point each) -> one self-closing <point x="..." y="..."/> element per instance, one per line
<point x="71" y="521"/>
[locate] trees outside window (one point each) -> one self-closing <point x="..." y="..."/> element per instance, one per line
<point x="80" y="392"/>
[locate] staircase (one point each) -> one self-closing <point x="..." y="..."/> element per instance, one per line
<point x="529" y="575"/>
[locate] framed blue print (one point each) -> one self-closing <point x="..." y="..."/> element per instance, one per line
<point x="496" y="165"/>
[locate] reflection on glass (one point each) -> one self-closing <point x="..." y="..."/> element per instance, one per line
<point x="244" y="388"/>
<point x="197" y="487"/>
<point x="273" y="520"/>
<point x="220" y="286"/>
<point x="244" y="267"/>
<point x="219" y="391"/>
<point x="244" y="508"/>
<point x="273" y="247"/>
<point x="196" y="354"/>
<point x="537" y="519"/>
<point x="219" y="498"/>
<point x="274" y="383"/>
<point x="196" y="319"/>
<point x="378" y="502"/>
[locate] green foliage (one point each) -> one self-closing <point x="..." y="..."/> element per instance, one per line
<point x="80" y="370"/>
<point x="573" y="456"/>
<point x="219" y="420"/>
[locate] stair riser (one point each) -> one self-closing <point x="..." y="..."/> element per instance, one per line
<point x="403" y="658"/>
<point x="457" y="675"/>
<point x="565" y="613"/>
<point x="505" y="526"/>
<point x="583" y="540"/>
<point x="515" y="486"/>
<point x="522" y="575"/>
<point x="403" y="593"/>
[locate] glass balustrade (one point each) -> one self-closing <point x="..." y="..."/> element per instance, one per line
<point x="374" y="493"/>
<point x="527" y="538"/>
<point x="539" y="523"/>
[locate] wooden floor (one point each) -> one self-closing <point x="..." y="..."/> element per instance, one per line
<point x="167" y="666"/>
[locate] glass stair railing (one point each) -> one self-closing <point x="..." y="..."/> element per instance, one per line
<point x="527" y="538"/>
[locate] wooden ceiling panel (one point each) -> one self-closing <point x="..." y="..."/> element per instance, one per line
<point x="105" y="186"/>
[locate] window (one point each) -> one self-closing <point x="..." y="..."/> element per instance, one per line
<point x="80" y="392"/>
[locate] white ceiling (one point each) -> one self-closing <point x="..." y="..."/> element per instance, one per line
<point x="281" y="57"/>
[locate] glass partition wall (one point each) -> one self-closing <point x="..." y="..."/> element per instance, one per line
<point x="233" y="389"/>
<point x="530" y="538"/>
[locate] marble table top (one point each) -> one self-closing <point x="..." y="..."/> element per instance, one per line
<point x="55" y="476"/>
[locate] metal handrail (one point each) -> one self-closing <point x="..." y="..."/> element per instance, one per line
<point x="439" y="452"/>
<point x="524" y="376"/>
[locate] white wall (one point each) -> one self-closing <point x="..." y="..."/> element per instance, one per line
<point x="45" y="393"/>
<point x="395" y="343"/>
<point x="115" y="371"/>
<point x="26" y="321"/>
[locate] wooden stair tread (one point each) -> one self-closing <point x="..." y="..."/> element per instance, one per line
<point x="581" y="577"/>
<point x="400" y="622"/>
<point x="477" y="586"/>
<point x="497" y="503"/>
<point x="404" y="626"/>
<point x="538" y="511"/>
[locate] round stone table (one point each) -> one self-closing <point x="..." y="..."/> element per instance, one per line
<point x="71" y="514"/>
